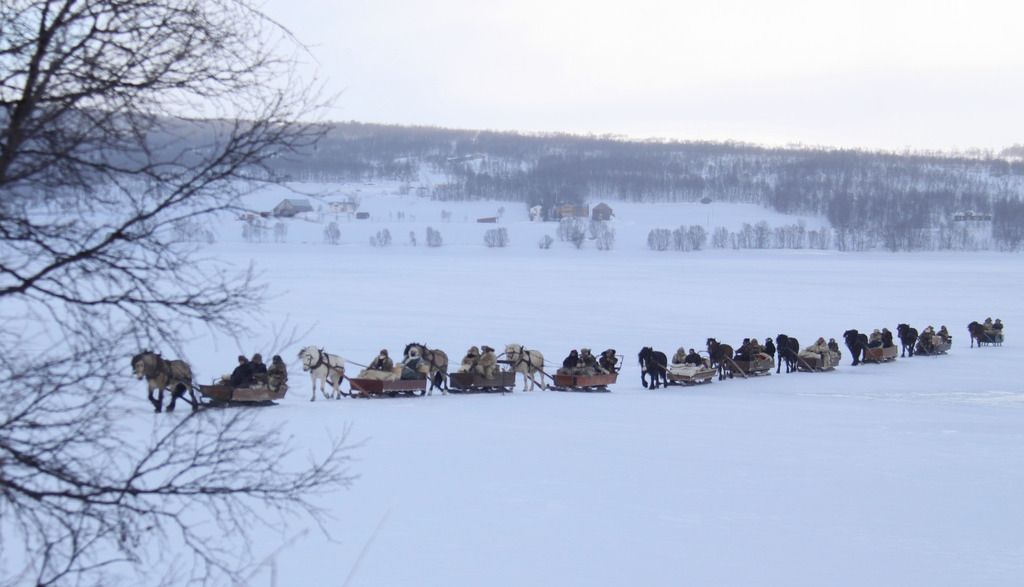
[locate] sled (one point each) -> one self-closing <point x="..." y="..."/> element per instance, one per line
<point x="881" y="354"/>
<point x="815" y="364"/>
<point x="756" y="367"/>
<point x="993" y="338"/>
<point x="258" y="395"/>
<point x="381" y="388"/>
<point x="583" y="382"/>
<point x="702" y="375"/>
<point x="502" y="382"/>
<point x="935" y="349"/>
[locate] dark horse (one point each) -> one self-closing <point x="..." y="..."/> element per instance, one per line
<point x="978" y="333"/>
<point x="654" y="363"/>
<point x="718" y="353"/>
<point x="908" y="338"/>
<point x="787" y="347"/>
<point x="858" y="345"/>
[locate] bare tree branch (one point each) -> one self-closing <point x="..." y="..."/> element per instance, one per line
<point x="121" y="120"/>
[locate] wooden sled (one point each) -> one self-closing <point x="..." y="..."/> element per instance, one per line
<point x="380" y="388"/>
<point x="815" y="364"/>
<point x="701" y="376"/>
<point x="583" y="382"/>
<point x="502" y="382"/>
<point x="881" y="354"/>
<point x="259" y="395"/>
<point x="754" y="368"/>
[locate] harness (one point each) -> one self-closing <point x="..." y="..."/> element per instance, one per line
<point x="320" y="361"/>
<point x="524" y="357"/>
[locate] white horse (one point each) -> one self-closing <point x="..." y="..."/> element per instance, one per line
<point x="324" y="367"/>
<point x="162" y="374"/>
<point x="526" y="362"/>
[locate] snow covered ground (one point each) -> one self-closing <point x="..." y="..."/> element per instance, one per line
<point x="909" y="473"/>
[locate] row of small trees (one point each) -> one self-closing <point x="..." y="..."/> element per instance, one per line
<point x="751" y="236"/>
<point x="954" y="236"/>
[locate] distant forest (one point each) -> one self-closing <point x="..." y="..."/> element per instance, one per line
<point x="907" y="201"/>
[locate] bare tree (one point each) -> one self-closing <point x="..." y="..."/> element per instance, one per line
<point x="119" y="121"/>
<point x="496" y="237"/>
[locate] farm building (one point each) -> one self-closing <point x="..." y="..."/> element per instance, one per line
<point x="291" y="207"/>
<point x="601" y="211"/>
<point x="570" y="211"/>
<point x="971" y="216"/>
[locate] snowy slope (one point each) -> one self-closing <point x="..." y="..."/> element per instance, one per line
<point x="900" y="474"/>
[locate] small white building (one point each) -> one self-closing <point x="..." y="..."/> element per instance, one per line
<point x="343" y="207"/>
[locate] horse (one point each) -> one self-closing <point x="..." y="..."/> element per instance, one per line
<point x="717" y="354"/>
<point x="978" y="333"/>
<point x="654" y="363"/>
<point x="858" y="345"/>
<point x="908" y="338"/>
<point x="526" y="362"/>
<point x="161" y="373"/>
<point x="788" y="349"/>
<point x="437" y="362"/>
<point x="323" y="367"/>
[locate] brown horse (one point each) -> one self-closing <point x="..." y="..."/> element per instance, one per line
<point x="718" y="353"/>
<point x="437" y="361"/>
<point x="162" y="374"/>
<point x="978" y="333"/>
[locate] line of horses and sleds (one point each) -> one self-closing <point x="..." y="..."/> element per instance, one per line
<point x="422" y="369"/>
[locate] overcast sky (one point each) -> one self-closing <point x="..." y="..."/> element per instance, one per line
<point x="886" y="74"/>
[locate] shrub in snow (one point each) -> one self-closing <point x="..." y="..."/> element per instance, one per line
<point x="545" y="241"/>
<point x="253" y="230"/>
<point x="720" y="237"/>
<point x="189" y="231"/>
<point x="381" y="239"/>
<point x="434" y="238"/>
<point x="572" y="230"/>
<point x="412" y="237"/>
<point x="659" y="238"/>
<point x="496" y="237"/>
<point x="280" y="232"/>
<point x="604" y="236"/>
<point x="332" y="234"/>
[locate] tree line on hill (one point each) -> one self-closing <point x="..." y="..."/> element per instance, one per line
<point x="885" y="200"/>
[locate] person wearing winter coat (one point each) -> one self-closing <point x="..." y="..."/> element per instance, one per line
<point x="277" y="373"/>
<point x="694" y="358"/>
<point x="769" y="347"/>
<point x="887" y="338"/>
<point x="488" y="363"/>
<point x="833" y="346"/>
<point x="570" y="363"/>
<point x="259" y="370"/>
<point x="608" y="361"/>
<point x="875" y="340"/>
<point x="242" y="375"/>
<point x="589" y="363"/>
<point x="818" y="350"/>
<point x="382" y="362"/>
<point x="742" y="351"/>
<point x="680" y="356"/>
<point x="470" y="360"/>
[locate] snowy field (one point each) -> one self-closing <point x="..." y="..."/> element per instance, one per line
<point x="909" y="473"/>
